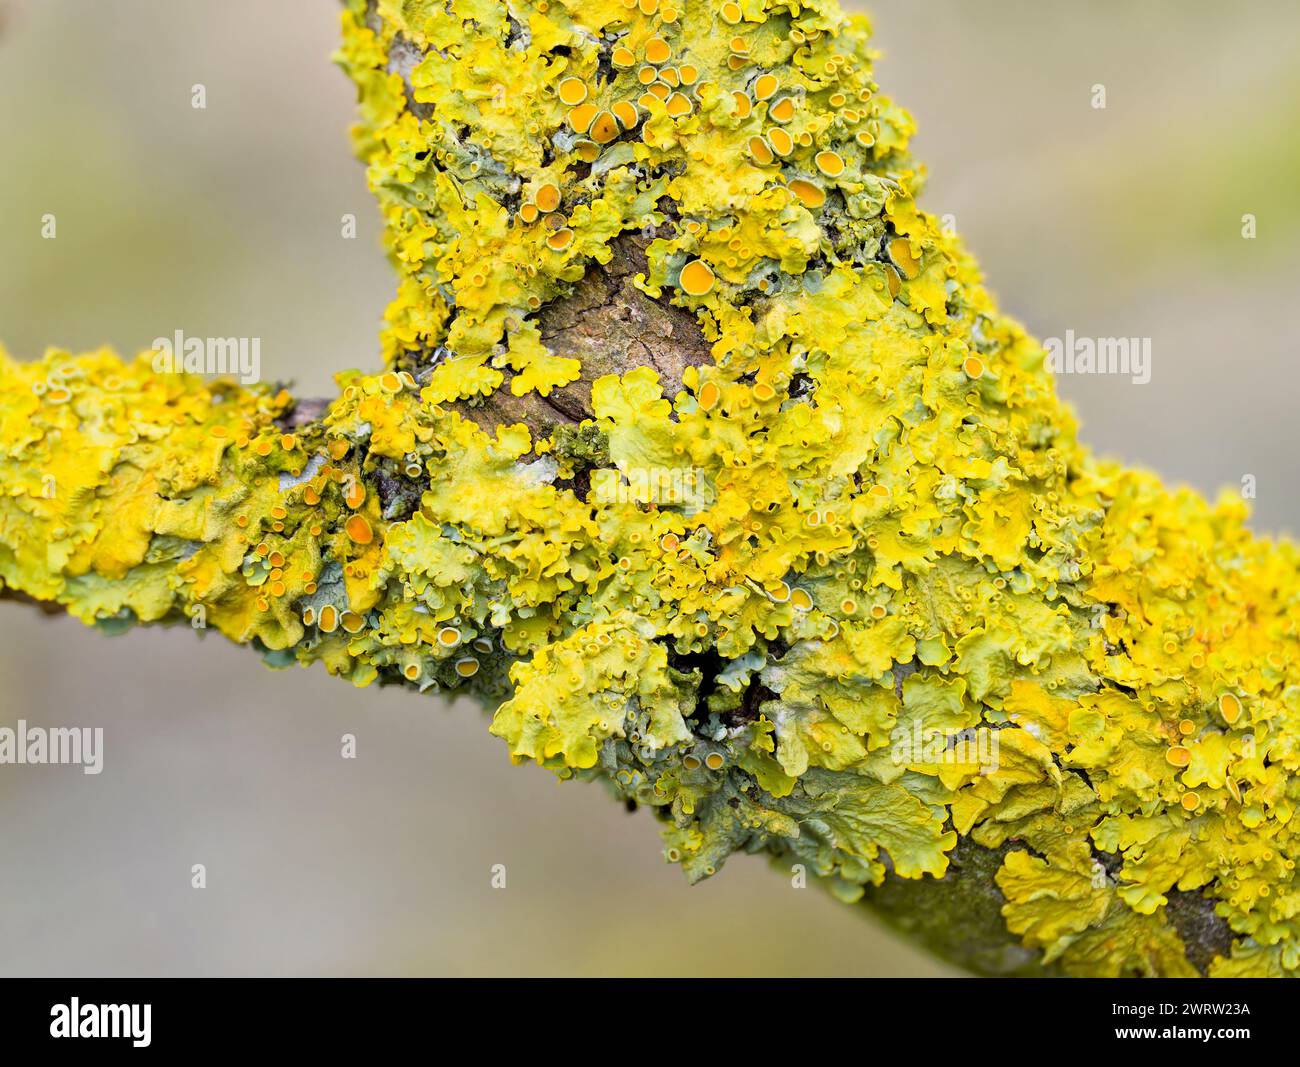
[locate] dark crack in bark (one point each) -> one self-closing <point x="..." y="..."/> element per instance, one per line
<point x="1205" y="934"/>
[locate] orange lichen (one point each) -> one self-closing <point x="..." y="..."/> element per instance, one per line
<point x="358" y="528"/>
<point x="697" y="278"/>
<point x="811" y="195"/>
<point x="572" y="91"/>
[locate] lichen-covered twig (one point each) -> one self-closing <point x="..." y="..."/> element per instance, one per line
<point x="702" y="455"/>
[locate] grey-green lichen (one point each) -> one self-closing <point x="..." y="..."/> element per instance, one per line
<point x="854" y="596"/>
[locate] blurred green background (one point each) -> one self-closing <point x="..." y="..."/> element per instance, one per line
<point x="226" y="221"/>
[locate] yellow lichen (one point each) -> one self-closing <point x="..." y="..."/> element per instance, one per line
<point x="865" y="524"/>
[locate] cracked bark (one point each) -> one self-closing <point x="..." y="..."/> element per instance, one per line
<point x="606" y="323"/>
<point x="611" y="326"/>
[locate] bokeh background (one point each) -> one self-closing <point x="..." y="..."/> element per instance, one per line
<point x="226" y="221"/>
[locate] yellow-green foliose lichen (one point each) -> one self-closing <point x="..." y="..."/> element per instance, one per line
<point x="866" y="521"/>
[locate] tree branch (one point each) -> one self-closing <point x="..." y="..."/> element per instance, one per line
<point x="702" y="455"/>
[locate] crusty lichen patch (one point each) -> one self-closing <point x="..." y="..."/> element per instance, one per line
<point x="867" y="517"/>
